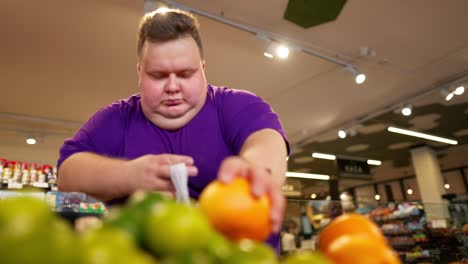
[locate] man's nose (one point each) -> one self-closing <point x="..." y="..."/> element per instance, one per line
<point x="172" y="84"/>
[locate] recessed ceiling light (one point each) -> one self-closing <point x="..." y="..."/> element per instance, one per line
<point x="31" y="141"/>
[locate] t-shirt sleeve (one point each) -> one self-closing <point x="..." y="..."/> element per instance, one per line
<point x="243" y="113"/>
<point x="101" y="134"/>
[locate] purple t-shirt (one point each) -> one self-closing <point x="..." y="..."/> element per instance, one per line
<point x="228" y="117"/>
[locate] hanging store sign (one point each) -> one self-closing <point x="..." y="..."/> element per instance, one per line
<point x="353" y="168"/>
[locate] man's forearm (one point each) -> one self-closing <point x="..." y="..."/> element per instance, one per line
<point x="101" y="177"/>
<point x="267" y="149"/>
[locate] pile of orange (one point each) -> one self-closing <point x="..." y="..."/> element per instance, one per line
<point x="234" y="211"/>
<point x="352" y="238"/>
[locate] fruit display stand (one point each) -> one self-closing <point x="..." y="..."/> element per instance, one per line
<point x="416" y="238"/>
<point x="404" y="225"/>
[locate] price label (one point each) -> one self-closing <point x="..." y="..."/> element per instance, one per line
<point x="438" y="223"/>
<point x="15" y="185"/>
<point x="40" y="184"/>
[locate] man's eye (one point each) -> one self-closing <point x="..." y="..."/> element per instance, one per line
<point x="185" y="74"/>
<point x="157" y="76"/>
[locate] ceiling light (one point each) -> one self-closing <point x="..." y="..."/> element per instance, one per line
<point x="162" y="10"/>
<point x="447" y="186"/>
<point x="459" y="90"/>
<point x="268" y="55"/>
<point x="343" y="196"/>
<point x="422" y="135"/>
<point x="323" y="156"/>
<point x="374" y="162"/>
<point x="313" y="196"/>
<point x="270" y="49"/>
<point x="307" y="176"/>
<point x="446" y="94"/>
<point x="282" y="51"/>
<point x="274" y="49"/>
<point x="328" y="198"/>
<point x="358" y="77"/>
<point x="342" y="134"/>
<point x="407" y="110"/>
<point x="31" y="141"/>
<point x="409" y="191"/>
<point x="377" y="197"/>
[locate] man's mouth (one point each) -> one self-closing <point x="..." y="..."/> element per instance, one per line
<point x="173" y="102"/>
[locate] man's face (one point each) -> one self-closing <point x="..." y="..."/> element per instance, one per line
<point x="172" y="82"/>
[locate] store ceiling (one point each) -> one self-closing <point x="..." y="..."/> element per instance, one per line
<point x="62" y="60"/>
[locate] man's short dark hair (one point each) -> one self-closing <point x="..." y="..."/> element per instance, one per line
<point x="160" y="26"/>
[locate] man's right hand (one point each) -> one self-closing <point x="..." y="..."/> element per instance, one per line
<point x="153" y="172"/>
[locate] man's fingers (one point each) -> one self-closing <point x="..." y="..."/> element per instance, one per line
<point x="172" y="159"/>
<point x="232" y="167"/>
<point x="192" y="171"/>
<point x="167" y="194"/>
<point x="277" y="208"/>
<point x="164" y="171"/>
<point x="165" y="185"/>
<point x="260" y="181"/>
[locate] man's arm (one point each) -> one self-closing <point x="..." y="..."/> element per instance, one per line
<point x="266" y="149"/>
<point x="101" y="177"/>
<point x="107" y="178"/>
<point x="262" y="159"/>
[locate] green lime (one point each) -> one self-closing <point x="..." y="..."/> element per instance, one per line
<point x="252" y="252"/>
<point x="306" y="257"/>
<point x="173" y="228"/>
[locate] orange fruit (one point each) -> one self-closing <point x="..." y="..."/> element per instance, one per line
<point x="360" y="249"/>
<point x="348" y="224"/>
<point x="234" y="211"/>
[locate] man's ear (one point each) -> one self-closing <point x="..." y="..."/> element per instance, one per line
<point x="138" y="72"/>
<point x="204" y="65"/>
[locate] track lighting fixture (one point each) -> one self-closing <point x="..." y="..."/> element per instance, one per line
<point x="407" y="110"/>
<point x="283" y="52"/>
<point x="342" y="134"/>
<point x="459" y="90"/>
<point x="276" y="50"/>
<point x="446" y="94"/>
<point x="358" y="76"/>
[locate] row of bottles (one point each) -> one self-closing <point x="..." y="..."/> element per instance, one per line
<point x="16" y="174"/>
